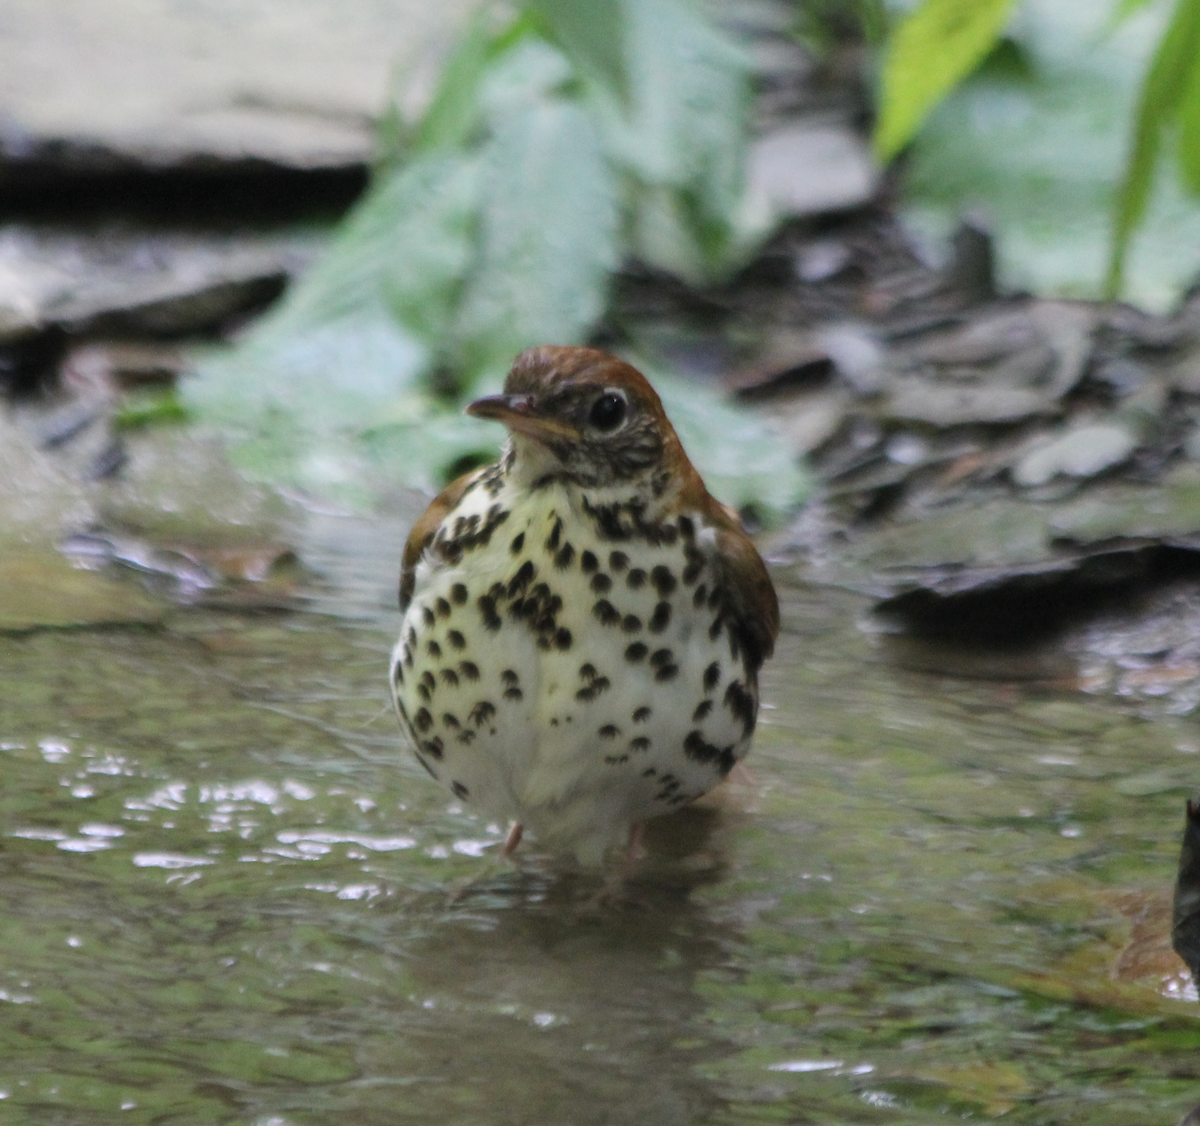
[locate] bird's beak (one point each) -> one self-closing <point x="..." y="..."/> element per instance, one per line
<point x="520" y="414"/>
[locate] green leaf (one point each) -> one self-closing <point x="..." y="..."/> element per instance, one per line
<point x="1189" y="130"/>
<point x="680" y="140"/>
<point x="453" y="112"/>
<point x="592" y="35"/>
<point x="1125" y="9"/>
<point x="547" y="238"/>
<point x="1163" y="89"/>
<point x="933" y="49"/>
<point x="354" y="337"/>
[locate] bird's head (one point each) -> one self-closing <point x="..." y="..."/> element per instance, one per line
<point x="584" y="416"/>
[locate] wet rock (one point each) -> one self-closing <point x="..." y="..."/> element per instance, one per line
<point x="811" y="167"/>
<point x="38" y="502"/>
<point x="39" y="589"/>
<point x="180" y="488"/>
<point x="1079" y="451"/>
<point x="137" y="281"/>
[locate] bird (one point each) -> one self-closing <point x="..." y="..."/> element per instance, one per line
<point x="583" y="622"/>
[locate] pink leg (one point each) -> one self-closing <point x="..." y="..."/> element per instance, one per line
<point x="514" y="838"/>
<point x="633" y="848"/>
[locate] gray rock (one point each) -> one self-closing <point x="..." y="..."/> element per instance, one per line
<point x="295" y="83"/>
<point x="809" y="168"/>
<point x="1081" y="451"/>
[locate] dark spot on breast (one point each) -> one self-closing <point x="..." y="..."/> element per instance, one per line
<point x="587" y="671"/>
<point x="606" y="613"/>
<point x="481" y="712"/>
<point x="459" y="790"/>
<point x="636" y="579"/>
<point x="698" y="750"/>
<point x="588" y="562"/>
<point x="649" y="772"/>
<point x="449" y="719"/>
<point x="423" y="692"/>
<point x="663" y="581"/>
<point x="456" y="639"/>
<point x="450" y="677"/>
<point x="469" y="669"/>
<point x="712" y="676"/>
<point x="423" y="721"/>
<point x="687" y="527"/>
<point x="522" y="578"/>
<point x="555" y="535"/>
<point x="517" y="543"/>
<point x="609" y="731"/>
<point x="631" y="623"/>
<point x="509" y="678"/>
<point x="601" y="583"/>
<point x="443" y="608"/>
<point x="427" y="616"/>
<point x="641" y="743"/>
<point x="428" y="681"/>
<point x="742" y="704"/>
<point x="667" y="672"/>
<point x="562" y="560"/>
<point x="692" y="571"/>
<point x="562" y="638"/>
<point x="641" y="715"/>
<point x="702" y="710"/>
<point x="513" y="694"/>
<point x="398" y="673"/>
<point x="466" y="735"/>
<point x="661" y="617"/>
<point x="636" y="651"/>
<point x="435" y="650"/>
<point x="458" y="594"/>
<point x="714" y="631"/>
<point x="618" y="561"/>
<point x="661" y="657"/>
<point x="408" y="655"/>
<point x="487" y="608"/>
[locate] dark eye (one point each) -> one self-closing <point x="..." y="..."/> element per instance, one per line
<point x="608" y="411"/>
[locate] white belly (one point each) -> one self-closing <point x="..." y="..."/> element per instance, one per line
<point x="588" y="695"/>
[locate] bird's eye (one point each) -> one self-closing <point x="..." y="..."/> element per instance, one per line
<point x="608" y="411"/>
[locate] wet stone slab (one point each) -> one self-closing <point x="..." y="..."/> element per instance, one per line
<point x="149" y="83"/>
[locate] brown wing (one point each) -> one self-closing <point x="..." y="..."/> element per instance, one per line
<point x="426" y="528"/>
<point x="750" y="601"/>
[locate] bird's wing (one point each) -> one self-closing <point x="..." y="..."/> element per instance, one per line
<point x="426" y="528"/>
<point x="751" y="603"/>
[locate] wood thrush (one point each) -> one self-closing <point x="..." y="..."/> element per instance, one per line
<point x="583" y="622"/>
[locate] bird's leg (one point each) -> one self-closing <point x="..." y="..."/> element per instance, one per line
<point x="514" y="838"/>
<point x="616" y="884"/>
<point x="492" y="866"/>
<point x="633" y="849"/>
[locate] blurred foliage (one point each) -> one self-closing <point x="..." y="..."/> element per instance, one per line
<point x="939" y="43"/>
<point x="556" y="144"/>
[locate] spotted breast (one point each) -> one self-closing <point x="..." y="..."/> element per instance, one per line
<point x="583" y="622"/>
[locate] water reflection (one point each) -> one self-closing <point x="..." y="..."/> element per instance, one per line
<point x="228" y="898"/>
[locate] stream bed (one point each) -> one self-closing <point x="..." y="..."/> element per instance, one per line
<point x="230" y="896"/>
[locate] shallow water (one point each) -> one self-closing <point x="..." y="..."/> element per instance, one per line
<point x="229" y="898"/>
